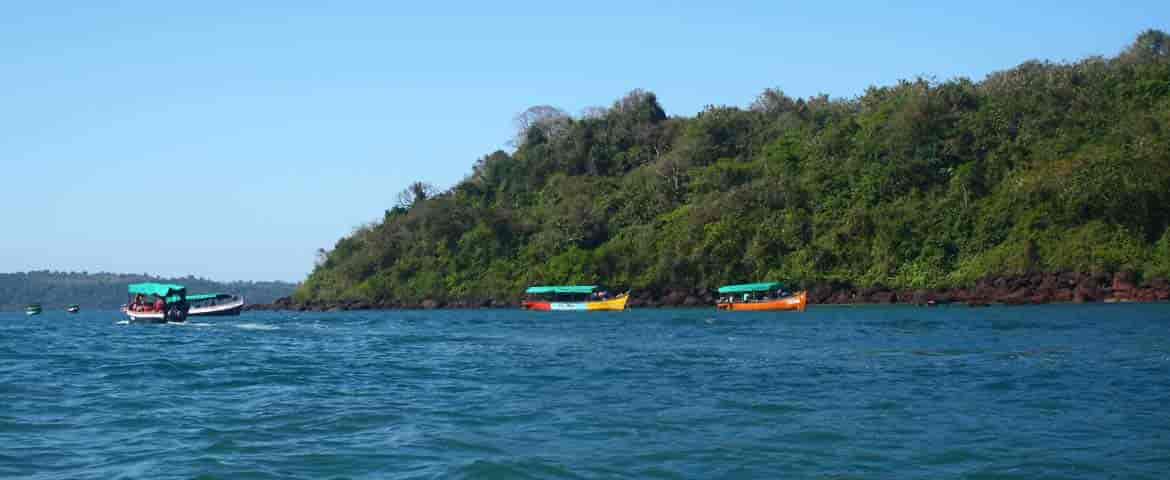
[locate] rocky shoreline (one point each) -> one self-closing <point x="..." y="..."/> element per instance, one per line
<point x="1039" y="288"/>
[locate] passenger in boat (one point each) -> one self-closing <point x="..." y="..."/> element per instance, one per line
<point x="159" y="305"/>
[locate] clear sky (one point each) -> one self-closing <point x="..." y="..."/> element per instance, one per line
<point x="231" y="139"/>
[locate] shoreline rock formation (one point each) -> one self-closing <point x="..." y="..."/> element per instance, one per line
<point x="1031" y="289"/>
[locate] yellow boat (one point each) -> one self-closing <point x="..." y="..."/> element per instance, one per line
<point x="551" y="295"/>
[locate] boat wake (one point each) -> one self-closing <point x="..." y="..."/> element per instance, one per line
<point x="257" y="326"/>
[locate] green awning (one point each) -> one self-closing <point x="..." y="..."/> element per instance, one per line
<point x="560" y="289"/>
<point x="750" y="287"/>
<point x="157" y="289"/>
<point x="199" y="296"/>
<point x="206" y="296"/>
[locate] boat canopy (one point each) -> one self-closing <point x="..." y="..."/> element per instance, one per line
<point x="750" y="287"/>
<point x="561" y="289"/>
<point x="157" y="289"/>
<point x="199" y="296"/>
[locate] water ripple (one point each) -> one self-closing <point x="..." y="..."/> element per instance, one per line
<point x="1053" y="391"/>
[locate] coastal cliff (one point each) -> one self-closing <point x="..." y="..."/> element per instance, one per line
<point x="919" y="192"/>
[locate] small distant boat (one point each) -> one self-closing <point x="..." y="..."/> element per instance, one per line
<point x="579" y="298"/>
<point x="32" y="309"/>
<point x="215" y="305"/>
<point x="73" y="308"/>
<point x="157" y="303"/>
<point x="756" y="297"/>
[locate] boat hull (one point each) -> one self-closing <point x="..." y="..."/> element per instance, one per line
<point x="145" y="317"/>
<point x="226" y="310"/>
<point x="151" y="317"/>
<point x="611" y="305"/>
<point x="795" y="303"/>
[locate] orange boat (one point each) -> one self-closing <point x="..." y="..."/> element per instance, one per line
<point x="751" y="297"/>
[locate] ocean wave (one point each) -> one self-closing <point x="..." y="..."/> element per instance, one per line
<point x="256" y="326"/>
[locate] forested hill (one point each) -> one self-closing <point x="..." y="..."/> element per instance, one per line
<point x="108" y="290"/>
<point x="1044" y="167"/>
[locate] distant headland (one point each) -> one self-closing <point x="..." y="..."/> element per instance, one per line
<point x="108" y="290"/>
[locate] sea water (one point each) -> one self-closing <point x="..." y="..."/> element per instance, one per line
<point x="1027" y="392"/>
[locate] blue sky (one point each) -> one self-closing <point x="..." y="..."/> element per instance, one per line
<point x="293" y="122"/>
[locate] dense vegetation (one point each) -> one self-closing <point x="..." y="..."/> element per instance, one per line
<point x="108" y="290"/>
<point x="1041" y="168"/>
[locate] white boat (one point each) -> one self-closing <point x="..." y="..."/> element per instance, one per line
<point x="215" y="305"/>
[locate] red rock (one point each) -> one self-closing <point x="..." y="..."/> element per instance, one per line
<point x="820" y="293"/>
<point x="1018" y="297"/>
<point x="1086" y="292"/>
<point x="1043" y="296"/>
<point x="1123" y="281"/>
<point x="674" y="298"/>
<point x="1049" y="282"/>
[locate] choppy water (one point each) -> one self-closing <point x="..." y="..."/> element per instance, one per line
<point x="1028" y="392"/>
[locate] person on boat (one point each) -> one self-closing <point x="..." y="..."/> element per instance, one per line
<point x="159" y="304"/>
<point x="136" y="305"/>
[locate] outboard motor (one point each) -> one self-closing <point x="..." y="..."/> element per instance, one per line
<point x="177" y="312"/>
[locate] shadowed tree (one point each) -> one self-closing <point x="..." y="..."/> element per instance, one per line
<point x="416" y="192"/>
<point x="549" y="121"/>
<point x="1151" y="45"/>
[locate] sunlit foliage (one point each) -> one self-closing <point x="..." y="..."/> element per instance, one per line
<point x="1042" y="167"/>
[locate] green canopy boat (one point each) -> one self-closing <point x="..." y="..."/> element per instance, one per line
<point x="32" y="309"/>
<point x="157" y="302"/>
<point x="572" y="298"/>
<point x="761" y="296"/>
<point x="751" y="287"/>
